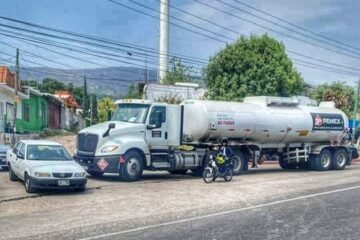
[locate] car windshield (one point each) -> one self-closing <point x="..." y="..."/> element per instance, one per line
<point x="134" y="113"/>
<point x="47" y="153"/>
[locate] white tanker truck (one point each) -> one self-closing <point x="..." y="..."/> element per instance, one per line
<point x="145" y="135"/>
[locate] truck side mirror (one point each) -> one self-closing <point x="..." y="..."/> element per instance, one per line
<point x="111" y="126"/>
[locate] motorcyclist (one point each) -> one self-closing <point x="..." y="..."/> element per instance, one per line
<point x="225" y="150"/>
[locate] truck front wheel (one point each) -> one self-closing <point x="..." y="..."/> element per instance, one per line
<point x="339" y="159"/>
<point x="133" y="167"/>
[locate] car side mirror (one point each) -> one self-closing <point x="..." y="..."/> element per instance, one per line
<point x="20" y="156"/>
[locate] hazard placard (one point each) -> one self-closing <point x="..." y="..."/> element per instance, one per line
<point x="102" y="164"/>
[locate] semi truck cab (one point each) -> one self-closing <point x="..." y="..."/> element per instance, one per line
<point x="139" y="136"/>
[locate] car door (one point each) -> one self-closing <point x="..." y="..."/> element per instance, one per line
<point x="21" y="161"/>
<point x="12" y="157"/>
<point x="156" y="133"/>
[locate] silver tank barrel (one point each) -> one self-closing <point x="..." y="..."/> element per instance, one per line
<point x="262" y="120"/>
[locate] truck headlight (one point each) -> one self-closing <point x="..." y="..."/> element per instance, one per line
<point x="42" y="174"/>
<point x="80" y="174"/>
<point x="110" y="148"/>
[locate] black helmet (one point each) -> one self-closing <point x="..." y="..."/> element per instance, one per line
<point x="224" y="140"/>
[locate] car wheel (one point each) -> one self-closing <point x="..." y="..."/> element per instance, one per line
<point x="133" y="167"/>
<point x="338" y="162"/>
<point x="95" y="173"/>
<point x="28" y="184"/>
<point x="12" y="175"/>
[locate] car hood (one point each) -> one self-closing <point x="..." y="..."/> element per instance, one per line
<point x="56" y="166"/>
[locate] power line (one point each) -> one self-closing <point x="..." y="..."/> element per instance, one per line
<point x="275" y="31"/>
<point x="62" y="38"/>
<point x="284" y="27"/>
<point x="294" y="25"/>
<point x="174" y="24"/>
<point x="237" y="32"/>
<point x="107" y="41"/>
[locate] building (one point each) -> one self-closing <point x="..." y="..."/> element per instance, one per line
<point x="34" y="112"/>
<point x="8" y="100"/>
<point x="70" y="116"/>
<point x="55" y="107"/>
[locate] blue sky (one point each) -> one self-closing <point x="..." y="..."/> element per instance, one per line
<point x="336" y="19"/>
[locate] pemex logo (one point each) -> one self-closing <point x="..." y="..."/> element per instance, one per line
<point x="318" y="120"/>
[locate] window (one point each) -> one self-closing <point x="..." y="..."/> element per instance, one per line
<point x="26" y="112"/>
<point x="17" y="147"/>
<point x="47" y="153"/>
<point x="22" y="151"/>
<point x="161" y="110"/>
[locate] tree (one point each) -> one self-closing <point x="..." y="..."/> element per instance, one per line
<point x="94" y="109"/>
<point x="252" y="66"/>
<point x="178" y="73"/>
<point x="339" y="92"/>
<point x="133" y="92"/>
<point x="85" y="101"/>
<point x="105" y="106"/>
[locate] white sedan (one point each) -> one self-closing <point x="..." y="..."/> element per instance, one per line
<point x="44" y="165"/>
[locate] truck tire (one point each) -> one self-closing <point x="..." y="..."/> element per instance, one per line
<point x="133" y="167"/>
<point x="322" y="161"/>
<point x="338" y="161"/>
<point x="12" y="175"/>
<point x="238" y="163"/>
<point x="95" y="173"/>
<point x="285" y="165"/>
<point x="178" y="172"/>
<point x="28" y="184"/>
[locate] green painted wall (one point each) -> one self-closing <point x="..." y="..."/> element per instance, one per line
<point x="38" y="115"/>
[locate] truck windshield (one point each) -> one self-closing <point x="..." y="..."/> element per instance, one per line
<point x="134" y="113"/>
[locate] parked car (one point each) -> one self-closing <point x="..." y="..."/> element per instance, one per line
<point x="3" y="161"/>
<point x="44" y="165"/>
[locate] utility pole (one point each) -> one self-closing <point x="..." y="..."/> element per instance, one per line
<point x="355" y="111"/>
<point x="16" y="84"/>
<point x="146" y="70"/>
<point x="163" y="39"/>
<point x="91" y="109"/>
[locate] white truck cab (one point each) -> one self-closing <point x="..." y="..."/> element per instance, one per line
<point x="138" y="137"/>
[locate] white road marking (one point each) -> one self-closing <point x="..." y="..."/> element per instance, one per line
<point x="220" y="213"/>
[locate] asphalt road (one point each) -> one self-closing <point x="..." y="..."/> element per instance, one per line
<point x="333" y="214"/>
<point x="266" y="203"/>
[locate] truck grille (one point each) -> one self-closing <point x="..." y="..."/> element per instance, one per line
<point x="87" y="142"/>
<point x="62" y="175"/>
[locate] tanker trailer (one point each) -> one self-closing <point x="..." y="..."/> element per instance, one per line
<point x="145" y="135"/>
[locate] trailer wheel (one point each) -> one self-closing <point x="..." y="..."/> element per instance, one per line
<point x="339" y="159"/>
<point x="238" y="161"/>
<point x="133" y="167"/>
<point x="322" y="161"/>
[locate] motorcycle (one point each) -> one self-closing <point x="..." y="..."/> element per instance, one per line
<point x="217" y="167"/>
